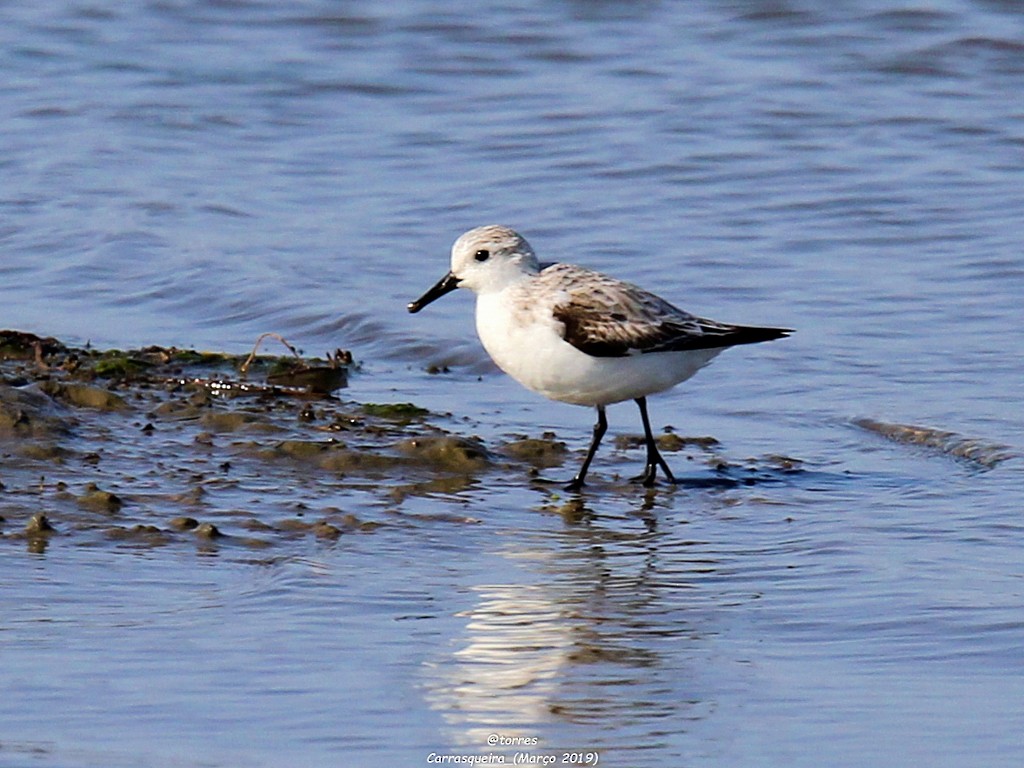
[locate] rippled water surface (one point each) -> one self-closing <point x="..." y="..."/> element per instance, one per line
<point x="195" y="174"/>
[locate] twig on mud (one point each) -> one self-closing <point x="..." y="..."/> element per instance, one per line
<point x="37" y="346"/>
<point x="252" y="355"/>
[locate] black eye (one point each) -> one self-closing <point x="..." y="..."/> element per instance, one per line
<point x="482" y="255"/>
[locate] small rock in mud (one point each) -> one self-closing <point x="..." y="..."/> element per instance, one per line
<point x="184" y="408"/>
<point x="440" y="484"/>
<point x="342" y="459"/>
<point x="294" y="524"/>
<point x="456" y="454"/>
<point x="44" y="451"/>
<point x="540" y="452"/>
<point x="673" y="442"/>
<point x="19" y="345"/>
<point x="233" y="421"/>
<point x="39" y="525"/>
<point x="98" y="500"/>
<point x="350" y="522"/>
<point x="304" y="449"/>
<point x="332" y="455"/>
<point x="208" y="531"/>
<point x="254" y="524"/>
<point x="324" y="530"/>
<point x="184" y="523"/>
<point x="192" y="496"/>
<point x="29" y="412"/>
<point x="254" y="543"/>
<point x="200" y="399"/>
<point x="784" y="463"/>
<point x="143" y="534"/>
<point x="177" y="410"/>
<point x="85" y="396"/>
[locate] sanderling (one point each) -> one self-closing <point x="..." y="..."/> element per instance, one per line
<point x="579" y="336"/>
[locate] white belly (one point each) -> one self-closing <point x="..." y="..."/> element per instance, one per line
<point x="530" y="350"/>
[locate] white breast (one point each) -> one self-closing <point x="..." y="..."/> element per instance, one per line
<point x="526" y="343"/>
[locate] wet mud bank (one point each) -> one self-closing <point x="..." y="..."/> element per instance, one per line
<point x="157" y="446"/>
<point x="161" y="445"/>
<point x="152" y="446"/>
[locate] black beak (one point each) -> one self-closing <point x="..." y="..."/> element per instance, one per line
<point x="446" y="284"/>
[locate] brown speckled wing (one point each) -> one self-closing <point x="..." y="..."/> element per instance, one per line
<point x="604" y="317"/>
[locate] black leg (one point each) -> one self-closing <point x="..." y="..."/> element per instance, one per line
<point x="654" y="459"/>
<point x="599" y="429"/>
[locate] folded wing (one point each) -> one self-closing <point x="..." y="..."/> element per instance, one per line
<point x="604" y="317"/>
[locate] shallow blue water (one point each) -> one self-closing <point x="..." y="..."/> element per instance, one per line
<point x="197" y="174"/>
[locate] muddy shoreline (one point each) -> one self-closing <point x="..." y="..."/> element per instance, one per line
<point x="156" y="446"/>
<point x="136" y="446"/>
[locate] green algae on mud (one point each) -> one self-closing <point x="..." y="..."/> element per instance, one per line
<point x="403" y="412"/>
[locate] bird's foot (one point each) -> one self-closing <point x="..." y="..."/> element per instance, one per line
<point x="650" y="475"/>
<point x="575" y="485"/>
<point x="572" y="485"/>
